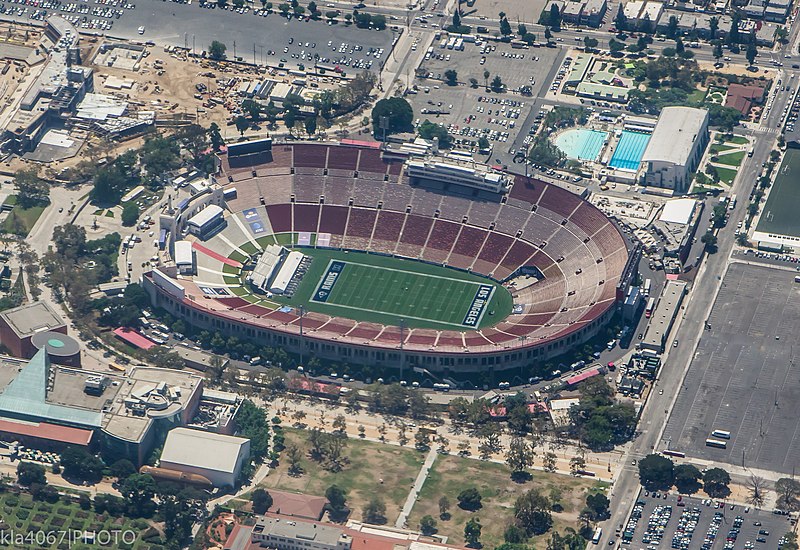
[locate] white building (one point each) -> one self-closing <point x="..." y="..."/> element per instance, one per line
<point x="460" y="172"/>
<point x="675" y="148"/>
<point x="215" y="456"/>
<point x="299" y="535"/>
<point x="184" y="257"/>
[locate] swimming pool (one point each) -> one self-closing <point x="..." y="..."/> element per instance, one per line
<point x="581" y="144"/>
<point x="629" y="151"/>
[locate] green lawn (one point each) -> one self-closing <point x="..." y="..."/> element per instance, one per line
<point x="719" y="148"/>
<point x="779" y="214"/>
<point x="237" y="256"/>
<point x="109" y="213"/>
<point x="731" y="159"/>
<point x="738" y="140"/>
<point x="452" y="474"/>
<point x="387" y="471"/>
<point x="382" y="289"/>
<point x="249" y="247"/>
<point x="22" y="515"/>
<point x="696" y="96"/>
<point x="726" y="174"/>
<point x="20" y="220"/>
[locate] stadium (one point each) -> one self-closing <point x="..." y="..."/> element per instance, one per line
<point x="354" y="254"/>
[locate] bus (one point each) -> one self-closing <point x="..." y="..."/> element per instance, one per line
<point x="716" y="443"/>
<point x="647" y="286"/>
<point x="114" y="366"/>
<point x="651" y="304"/>
<point x="670" y="452"/>
<point x="722" y="434"/>
<point x="598" y="533"/>
<point x="732" y="203"/>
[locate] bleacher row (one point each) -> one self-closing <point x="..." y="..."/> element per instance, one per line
<point x="366" y="204"/>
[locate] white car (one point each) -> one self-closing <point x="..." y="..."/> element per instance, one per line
<point x="141" y="30"/>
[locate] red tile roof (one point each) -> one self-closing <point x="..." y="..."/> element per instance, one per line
<point x="297" y="505"/>
<point x="43" y="430"/>
<point x="742" y="97"/>
<point x="134" y="338"/>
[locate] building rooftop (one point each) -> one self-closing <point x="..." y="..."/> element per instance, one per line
<point x="297" y="504"/>
<point x="31" y="318"/>
<point x="678" y="211"/>
<point x="675" y="134"/>
<point x="202" y="449"/>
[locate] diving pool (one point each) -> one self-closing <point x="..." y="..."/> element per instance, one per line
<point x="581" y="144"/>
<point x="629" y="151"/>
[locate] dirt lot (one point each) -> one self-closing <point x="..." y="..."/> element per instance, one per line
<point x="451" y="474"/>
<point x="373" y="469"/>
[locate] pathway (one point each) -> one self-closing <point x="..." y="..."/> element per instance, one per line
<point x="414" y="493"/>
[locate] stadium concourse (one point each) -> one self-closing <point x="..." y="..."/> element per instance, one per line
<point x="355" y="198"/>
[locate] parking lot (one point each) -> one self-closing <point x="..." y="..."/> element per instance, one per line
<point x="687" y="523"/>
<point x="745" y="375"/>
<point x="471" y="112"/>
<point x="251" y="35"/>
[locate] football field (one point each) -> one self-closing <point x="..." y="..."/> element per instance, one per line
<point x="386" y="290"/>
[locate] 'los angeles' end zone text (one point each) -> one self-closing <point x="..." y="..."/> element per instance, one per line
<point x="478" y="306"/>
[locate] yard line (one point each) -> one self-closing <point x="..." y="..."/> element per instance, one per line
<point x="413" y="273"/>
<point x="388" y="313"/>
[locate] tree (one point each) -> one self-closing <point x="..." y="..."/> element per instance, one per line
<point x="597" y="504"/>
<point x="242" y="124"/>
<point x="555" y="16"/>
<point x="138" y="491"/>
<point x="483" y="143"/>
<point x="472" y="532"/>
<point x="620" y="21"/>
<point x="757" y="493"/>
<point x="444" y="508"/>
<point x="789" y="541"/>
<point x="717" y="51"/>
<point x="788" y="489"/>
<point x="656" y="472"/>
<point x="379" y="22"/>
<point x="375" y="511"/>
<point x="215" y="136"/>
<point x="451" y="77"/>
<point x="505" y="27"/>
<point x="337" y="500"/>
<point x="130" y="214"/>
<point x="615" y="47"/>
<point x="398" y="113"/>
<point x="532" y="512"/>
<point x="31" y="189"/>
<point x="430" y="130"/>
<point x="310" y="124"/>
<point x="519" y="457"/>
<point x="422" y="441"/>
<point x="751" y="52"/>
<point x="713" y="27"/>
<point x="312" y="9"/>
<point x="710" y="240"/>
<point x="262" y="501"/>
<point x="122" y="468"/>
<point x="427" y="525"/>
<point x="29" y="473"/>
<point x="687" y="478"/>
<point x="522" y="29"/>
<point x="549" y="462"/>
<point x="733" y="34"/>
<point x="469" y="499"/>
<point x="514" y="535"/>
<point x="548" y="35"/>
<point x="679" y="47"/>
<point x="497" y="84"/>
<point x="80" y="464"/>
<point x="590" y="43"/>
<point x="715" y="483"/>
<point x="672" y="27"/>
<point x="217" y="50"/>
<point x="668" y="52"/>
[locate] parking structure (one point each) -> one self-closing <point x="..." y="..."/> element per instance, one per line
<point x="473" y="112"/>
<point x="259" y="36"/>
<point x="667" y="520"/>
<point x="745" y="375"/>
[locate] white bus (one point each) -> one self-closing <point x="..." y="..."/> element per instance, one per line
<point x="716" y="443"/>
<point x="648" y="310"/>
<point x="722" y="434"/>
<point x="732" y="203"/>
<point x="647" y="285"/>
<point x="598" y="533"/>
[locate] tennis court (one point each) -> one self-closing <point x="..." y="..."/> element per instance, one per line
<point x="779" y="215"/>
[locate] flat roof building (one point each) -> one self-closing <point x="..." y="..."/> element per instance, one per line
<point x="664" y="315"/>
<point x="217" y="457"/>
<point x="207" y="221"/>
<point x="675" y="148"/>
<point x="20" y="324"/>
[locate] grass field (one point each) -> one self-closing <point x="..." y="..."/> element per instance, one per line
<point x="731" y="159"/>
<point x="384" y="290"/>
<point x="368" y="464"/>
<point x="779" y="214"/>
<point x="20" y="220"/>
<point x="452" y="474"/>
<point x="726" y="175"/>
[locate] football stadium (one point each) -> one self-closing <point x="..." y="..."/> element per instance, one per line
<point x="351" y="253"/>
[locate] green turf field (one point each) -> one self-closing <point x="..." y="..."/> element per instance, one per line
<point x="384" y="290"/>
<point x="779" y="214"/>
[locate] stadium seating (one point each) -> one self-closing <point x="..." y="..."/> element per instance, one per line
<point x="365" y="208"/>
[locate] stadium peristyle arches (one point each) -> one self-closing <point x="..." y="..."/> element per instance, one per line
<point x="560" y="259"/>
